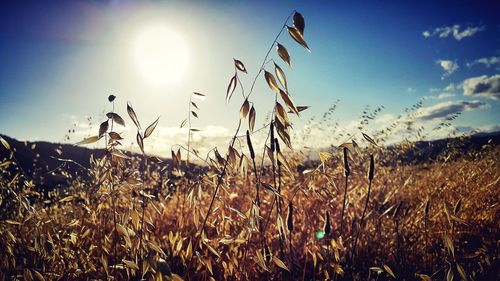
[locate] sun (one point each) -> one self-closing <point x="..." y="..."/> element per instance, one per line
<point x="161" y="55"/>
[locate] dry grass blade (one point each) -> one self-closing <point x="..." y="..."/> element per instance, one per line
<point x="282" y="115"/>
<point x="271" y="81"/>
<point x="298" y="37"/>
<point x="149" y="130"/>
<point x="230" y="88"/>
<point x="133" y="116"/>
<point x="369" y="139"/>
<point x="103" y="128"/>
<point x="283" y="54"/>
<point x="389" y="271"/>
<point x="88" y="140"/>
<point x="6" y="144"/>
<point x="251" y="119"/>
<point x="140" y="142"/>
<point x="289" y="103"/>
<point x="280" y="263"/>
<point x="245" y="107"/>
<point x="240" y="66"/>
<point x="281" y="76"/>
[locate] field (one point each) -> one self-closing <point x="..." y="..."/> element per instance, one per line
<point x="363" y="211"/>
<point x="427" y="221"/>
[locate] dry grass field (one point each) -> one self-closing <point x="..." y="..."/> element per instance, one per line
<point x="255" y="213"/>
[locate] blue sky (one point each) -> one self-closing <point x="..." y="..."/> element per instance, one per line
<point x="60" y="60"/>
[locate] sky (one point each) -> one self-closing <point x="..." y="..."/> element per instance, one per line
<point x="59" y="61"/>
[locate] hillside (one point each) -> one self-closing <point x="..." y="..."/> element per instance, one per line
<point x="40" y="158"/>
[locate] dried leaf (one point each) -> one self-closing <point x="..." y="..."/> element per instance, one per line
<point x="239" y="65"/>
<point x="289" y="103"/>
<point x="245" y="107"/>
<point x="461" y="271"/>
<point x="302" y="108"/>
<point x="103" y="128"/>
<point x="154" y="159"/>
<point x="281" y="75"/>
<point x="131" y="264"/>
<point x="457" y="207"/>
<point x="119" y="154"/>
<point x="298" y="22"/>
<point x="279" y="263"/>
<point x="88" y="140"/>
<point x="116" y="118"/>
<point x="39" y="276"/>
<point x="183" y="123"/>
<point x="449" y="244"/>
<point x="271" y="81"/>
<point x="251" y="119"/>
<point x="133" y="116"/>
<point x="199" y="94"/>
<point x="283" y="53"/>
<point x="230" y="88"/>
<point x="297" y="36"/>
<point x="149" y="130"/>
<point x="175" y="160"/>
<point x="115" y="136"/>
<point x="449" y="275"/>
<point x="369" y="139"/>
<point x="194" y="114"/>
<point x="6" y="144"/>
<point x="194" y="104"/>
<point x="424" y="277"/>
<point x="140" y="142"/>
<point x="281" y="114"/>
<point x="324" y="156"/>
<point x="389" y="271"/>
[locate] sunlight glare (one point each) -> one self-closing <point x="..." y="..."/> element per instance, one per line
<point x="161" y="55"/>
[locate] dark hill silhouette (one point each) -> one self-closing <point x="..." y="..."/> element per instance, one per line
<point x="37" y="159"/>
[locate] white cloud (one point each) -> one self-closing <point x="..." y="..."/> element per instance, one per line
<point x="447" y="92"/>
<point x="385" y="119"/>
<point x="455" y="31"/>
<point x="207" y="138"/>
<point x="446" y="109"/>
<point x="445" y="96"/>
<point x="483" y="86"/>
<point x="448" y="66"/>
<point x="488" y="62"/>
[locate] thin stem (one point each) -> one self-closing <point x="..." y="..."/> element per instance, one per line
<point x="113" y="203"/>
<point x="343" y="206"/>
<point x="267" y="54"/>
<point x="361" y="223"/>
<point x="189" y="130"/>
<point x="219" y="183"/>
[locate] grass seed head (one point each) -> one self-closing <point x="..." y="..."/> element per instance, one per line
<point x="289" y="219"/>
<point x="250" y="146"/>
<point x="328" y="228"/>
<point x="346" y="163"/>
<point x="372" y="168"/>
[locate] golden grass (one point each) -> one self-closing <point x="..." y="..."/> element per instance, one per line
<point x="231" y="223"/>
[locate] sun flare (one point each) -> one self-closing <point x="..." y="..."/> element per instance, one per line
<point x="161" y="55"/>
